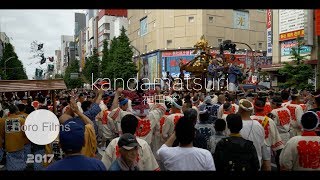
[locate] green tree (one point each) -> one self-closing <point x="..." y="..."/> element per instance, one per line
<point x="58" y="76"/>
<point x="92" y="65"/>
<point x="298" y="72"/>
<point x="120" y="64"/>
<point x="14" y="69"/>
<point x="73" y="68"/>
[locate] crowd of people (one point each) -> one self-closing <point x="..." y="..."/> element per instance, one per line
<point x="121" y="130"/>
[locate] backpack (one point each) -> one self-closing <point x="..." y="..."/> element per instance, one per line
<point x="237" y="155"/>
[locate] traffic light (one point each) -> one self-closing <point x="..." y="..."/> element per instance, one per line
<point x="39" y="72"/>
<point x="40" y="46"/>
<point x="51" y="59"/>
<point x="50" y="67"/>
<point x="233" y="48"/>
<point x="43" y="59"/>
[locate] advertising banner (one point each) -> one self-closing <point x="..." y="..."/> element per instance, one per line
<point x="269" y="32"/>
<point x="291" y="24"/>
<point x="287" y="45"/>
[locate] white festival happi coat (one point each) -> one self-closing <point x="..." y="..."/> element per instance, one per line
<point x="146" y="160"/>
<point x="272" y="136"/>
<point x="301" y="153"/>
<point x="282" y="119"/>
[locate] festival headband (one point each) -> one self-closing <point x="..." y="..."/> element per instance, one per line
<point x="176" y="105"/>
<point x="243" y="107"/>
<point x="317" y="122"/>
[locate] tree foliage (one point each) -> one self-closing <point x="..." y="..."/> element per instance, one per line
<point x="14" y="69"/>
<point x="58" y="76"/>
<point x="73" y="68"/>
<point x="117" y="61"/>
<point x="92" y="65"/>
<point x="297" y="73"/>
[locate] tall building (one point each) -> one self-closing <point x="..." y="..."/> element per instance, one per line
<point x="110" y="22"/>
<point x="159" y="29"/>
<point x="80" y="24"/>
<point x="82" y="42"/>
<point x="283" y="27"/>
<point x="66" y="57"/>
<point x="89" y="33"/>
<point x="57" y="58"/>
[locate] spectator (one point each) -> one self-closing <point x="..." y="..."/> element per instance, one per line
<point x="220" y="127"/>
<point x="252" y="130"/>
<point x="235" y="153"/>
<point x="146" y="162"/>
<point x="14" y="140"/>
<point x="80" y="101"/>
<point x="185" y="157"/>
<point x="205" y="127"/>
<point x="72" y="140"/>
<point x="128" y="149"/>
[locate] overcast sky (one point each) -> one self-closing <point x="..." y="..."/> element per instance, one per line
<point x="46" y="26"/>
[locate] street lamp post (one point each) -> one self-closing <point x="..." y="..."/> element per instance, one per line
<point x="5" y="62"/>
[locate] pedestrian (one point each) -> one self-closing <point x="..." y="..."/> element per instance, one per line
<point x="185" y="157"/>
<point x="302" y="153"/>
<point x="273" y="140"/>
<point x="172" y="119"/>
<point x="205" y="127"/>
<point x="252" y="130"/>
<point x="235" y="153"/>
<point x="282" y="118"/>
<point x="220" y="127"/>
<point x="72" y="141"/>
<point x="128" y="149"/>
<point x="14" y="140"/>
<point x="296" y="112"/>
<point x="146" y="160"/>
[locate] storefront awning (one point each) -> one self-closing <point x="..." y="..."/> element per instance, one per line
<point x="31" y="85"/>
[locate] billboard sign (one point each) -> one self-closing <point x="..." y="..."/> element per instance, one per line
<point x="291" y="24"/>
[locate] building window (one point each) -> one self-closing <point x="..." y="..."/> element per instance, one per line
<point x="107" y="36"/>
<point x="260" y="45"/>
<point x="219" y="41"/>
<point x="101" y="28"/>
<point x="145" y="48"/>
<point x="143" y="26"/>
<point x="210" y="19"/>
<point x="107" y="26"/>
<point x="191" y="19"/>
<point x="101" y="38"/>
<point x="169" y="43"/>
